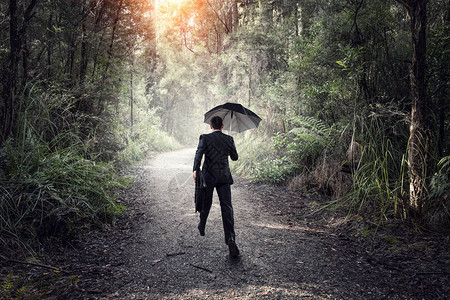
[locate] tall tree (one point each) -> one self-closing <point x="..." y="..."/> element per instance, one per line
<point x="17" y="32"/>
<point x="419" y="141"/>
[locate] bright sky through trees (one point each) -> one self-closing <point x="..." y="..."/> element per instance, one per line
<point x="171" y="14"/>
<point x="169" y="4"/>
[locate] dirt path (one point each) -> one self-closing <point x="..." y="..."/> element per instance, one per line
<point x="174" y="261"/>
<point x="157" y="253"/>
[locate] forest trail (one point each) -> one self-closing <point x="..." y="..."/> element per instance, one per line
<point x="156" y="252"/>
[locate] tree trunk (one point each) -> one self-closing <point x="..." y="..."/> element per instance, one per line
<point x="418" y="146"/>
<point x="443" y="105"/>
<point x="296" y="19"/>
<point x="131" y="94"/>
<point x="50" y="37"/>
<point x="235" y="15"/>
<point x="229" y="19"/>
<point x="71" y="56"/>
<point x="25" y="54"/>
<point x="84" y="43"/>
<point x="11" y="75"/>
<point x="306" y="9"/>
<point x="113" y="37"/>
<point x="96" y="55"/>
<point x="98" y="18"/>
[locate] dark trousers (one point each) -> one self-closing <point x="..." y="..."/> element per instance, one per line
<point x="224" y="193"/>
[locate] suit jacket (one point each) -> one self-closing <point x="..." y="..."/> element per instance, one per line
<point x="216" y="146"/>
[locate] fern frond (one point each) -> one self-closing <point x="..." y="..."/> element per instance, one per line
<point x="310" y="125"/>
<point x="7" y="287"/>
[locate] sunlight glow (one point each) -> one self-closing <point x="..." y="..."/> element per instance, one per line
<point x="171" y="14"/>
<point x="170" y="3"/>
<point x="174" y="1"/>
<point x="191" y="22"/>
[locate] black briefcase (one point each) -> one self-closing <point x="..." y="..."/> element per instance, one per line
<point x="200" y="192"/>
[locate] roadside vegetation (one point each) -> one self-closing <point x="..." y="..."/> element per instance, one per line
<point x="336" y="102"/>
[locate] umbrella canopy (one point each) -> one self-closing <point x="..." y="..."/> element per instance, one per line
<point x="235" y="117"/>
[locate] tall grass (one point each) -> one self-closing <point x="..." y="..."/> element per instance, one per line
<point x="437" y="205"/>
<point x="49" y="186"/>
<point x="380" y="178"/>
<point x="380" y="181"/>
<point x="252" y="149"/>
<point x="145" y="139"/>
<point x="51" y="190"/>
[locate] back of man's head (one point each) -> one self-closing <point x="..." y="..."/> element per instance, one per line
<point x="216" y="122"/>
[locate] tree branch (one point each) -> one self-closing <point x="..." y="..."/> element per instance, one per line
<point x="185" y="43"/>
<point x="32" y="264"/>
<point x="218" y="17"/>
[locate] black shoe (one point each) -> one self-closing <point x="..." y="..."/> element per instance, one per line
<point x="201" y="229"/>
<point x="234" y="251"/>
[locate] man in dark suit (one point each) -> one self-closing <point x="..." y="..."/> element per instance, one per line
<point x="217" y="146"/>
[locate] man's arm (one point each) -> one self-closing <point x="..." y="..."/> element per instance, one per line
<point x="233" y="151"/>
<point x="199" y="154"/>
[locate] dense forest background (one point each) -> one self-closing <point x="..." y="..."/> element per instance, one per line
<point x="353" y="95"/>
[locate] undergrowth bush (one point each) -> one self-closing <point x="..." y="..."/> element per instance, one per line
<point x="311" y="139"/>
<point x="275" y="170"/>
<point x="51" y="192"/>
<point x="57" y="174"/>
<point x="298" y="152"/>
<point x="147" y="138"/>
<point x="438" y="201"/>
<point x="252" y="149"/>
<point x="380" y="179"/>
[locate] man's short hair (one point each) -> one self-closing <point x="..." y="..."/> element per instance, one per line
<point x="216" y="122"/>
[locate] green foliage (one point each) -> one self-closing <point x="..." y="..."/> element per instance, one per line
<point x="293" y="153"/>
<point x="50" y="187"/>
<point x="252" y="149"/>
<point x="111" y="94"/>
<point x="350" y="62"/>
<point x="312" y="78"/>
<point x="440" y="183"/>
<point x="52" y="190"/>
<point x="380" y="179"/>
<point x="149" y="138"/>
<point x="258" y="160"/>
<point x="438" y="202"/>
<point x="37" y="286"/>
<point x="276" y="170"/>
<point x="12" y="288"/>
<point x="309" y="140"/>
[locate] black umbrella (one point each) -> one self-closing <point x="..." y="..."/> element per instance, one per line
<point x="235" y="117"/>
